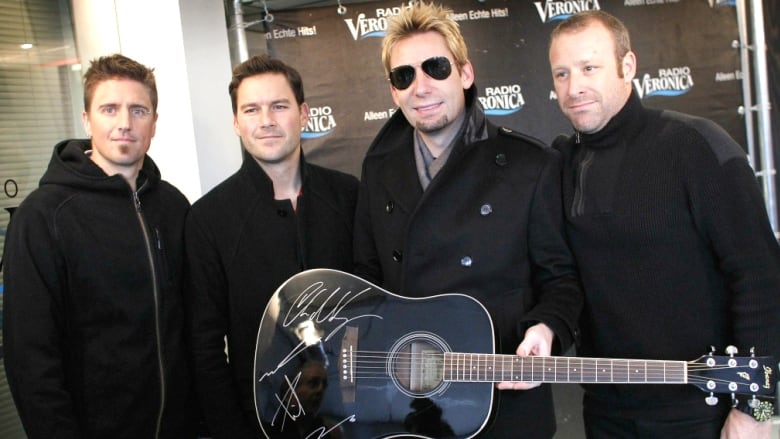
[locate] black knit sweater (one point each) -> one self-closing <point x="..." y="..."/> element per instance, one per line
<point x="676" y="254"/>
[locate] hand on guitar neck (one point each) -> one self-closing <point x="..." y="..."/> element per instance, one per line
<point x="537" y="342"/>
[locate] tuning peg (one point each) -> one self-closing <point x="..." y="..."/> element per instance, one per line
<point x="711" y="400"/>
<point x="732" y="351"/>
<point x="712" y="350"/>
<point x="753" y="402"/>
<point x="734" y="400"/>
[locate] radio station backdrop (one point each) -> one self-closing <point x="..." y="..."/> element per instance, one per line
<point x="686" y="62"/>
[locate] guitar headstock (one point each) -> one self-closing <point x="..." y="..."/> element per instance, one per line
<point x="735" y="375"/>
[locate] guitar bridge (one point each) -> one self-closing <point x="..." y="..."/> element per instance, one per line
<point x="347" y="364"/>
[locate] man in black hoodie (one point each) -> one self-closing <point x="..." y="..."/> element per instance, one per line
<point x="93" y="269"/>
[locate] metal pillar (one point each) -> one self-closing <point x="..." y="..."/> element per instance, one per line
<point x="763" y="106"/>
<point x="240" y="51"/>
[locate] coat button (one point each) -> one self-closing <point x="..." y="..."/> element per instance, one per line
<point x="397" y="256"/>
<point x="389" y="206"/>
<point x="466" y="261"/>
<point x="486" y="210"/>
<point x="281" y="213"/>
<point x="501" y="159"/>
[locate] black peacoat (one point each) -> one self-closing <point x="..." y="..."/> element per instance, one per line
<point x="489" y="225"/>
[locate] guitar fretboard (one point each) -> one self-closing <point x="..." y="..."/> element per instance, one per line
<point x="460" y="367"/>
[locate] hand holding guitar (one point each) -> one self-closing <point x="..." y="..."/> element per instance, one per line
<point x="739" y="425"/>
<point x="537" y="343"/>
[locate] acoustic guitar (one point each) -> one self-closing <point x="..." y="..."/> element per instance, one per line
<point x="339" y="357"/>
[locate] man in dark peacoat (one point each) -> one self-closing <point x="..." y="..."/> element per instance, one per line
<point x="489" y="225"/>
<point x="479" y="213"/>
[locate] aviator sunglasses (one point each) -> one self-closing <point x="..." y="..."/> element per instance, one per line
<point x="438" y="68"/>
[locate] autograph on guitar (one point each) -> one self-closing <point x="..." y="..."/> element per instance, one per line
<point x="339" y="357"/>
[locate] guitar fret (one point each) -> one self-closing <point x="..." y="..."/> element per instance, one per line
<point x="465" y="367"/>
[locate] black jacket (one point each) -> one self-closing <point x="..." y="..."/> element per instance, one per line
<point x="93" y="314"/>
<point x="489" y="225"/>
<point x="242" y="245"/>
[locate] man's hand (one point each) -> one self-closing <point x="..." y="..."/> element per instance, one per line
<point x="537" y="343"/>
<point x="740" y="425"/>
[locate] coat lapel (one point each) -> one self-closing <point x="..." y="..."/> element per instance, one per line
<point x="399" y="174"/>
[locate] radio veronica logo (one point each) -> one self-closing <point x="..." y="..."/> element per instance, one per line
<point x="365" y="27"/>
<point x="321" y="122"/>
<point x="561" y="10"/>
<point x="502" y="100"/>
<point x="714" y="3"/>
<point x="673" y="81"/>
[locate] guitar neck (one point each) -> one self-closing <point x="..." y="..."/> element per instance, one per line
<point x="461" y="367"/>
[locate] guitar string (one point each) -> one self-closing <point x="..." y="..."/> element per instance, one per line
<point x="374" y="365"/>
<point x="584" y="380"/>
<point x="506" y="358"/>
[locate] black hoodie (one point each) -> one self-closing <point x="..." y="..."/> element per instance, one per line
<point x="93" y="308"/>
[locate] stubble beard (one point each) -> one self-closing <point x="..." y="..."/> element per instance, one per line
<point x="433" y="127"/>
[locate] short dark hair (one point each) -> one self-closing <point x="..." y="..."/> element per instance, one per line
<point x="261" y="64"/>
<point x="583" y="19"/>
<point x="118" y="66"/>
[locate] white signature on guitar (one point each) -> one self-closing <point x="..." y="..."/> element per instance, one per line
<point x="307" y="309"/>
<point x="315" y="304"/>
<point x="292" y="407"/>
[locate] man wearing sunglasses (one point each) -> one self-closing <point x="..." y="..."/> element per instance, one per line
<point x="449" y="203"/>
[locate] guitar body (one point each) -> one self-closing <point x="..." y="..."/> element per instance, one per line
<point x="337" y="357"/>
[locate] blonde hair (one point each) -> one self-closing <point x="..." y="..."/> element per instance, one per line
<point x="422" y="17"/>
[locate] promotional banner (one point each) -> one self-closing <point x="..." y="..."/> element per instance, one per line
<point x="686" y="62"/>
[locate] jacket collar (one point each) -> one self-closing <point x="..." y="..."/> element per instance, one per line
<point x="395" y="142"/>
<point x="71" y="166"/>
<point x="261" y="181"/>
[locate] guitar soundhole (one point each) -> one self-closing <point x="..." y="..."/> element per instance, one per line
<point x="416" y="364"/>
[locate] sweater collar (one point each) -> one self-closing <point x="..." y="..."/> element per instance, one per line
<point x="625" y="124"/>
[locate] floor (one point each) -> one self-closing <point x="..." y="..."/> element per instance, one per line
<point x="568" y="403"/>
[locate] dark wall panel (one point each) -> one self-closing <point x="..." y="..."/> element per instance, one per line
<point x="686" y="63"/>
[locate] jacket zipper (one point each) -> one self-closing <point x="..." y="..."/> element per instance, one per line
<point x="578" y="205"/>
<point x="156" y="293"/>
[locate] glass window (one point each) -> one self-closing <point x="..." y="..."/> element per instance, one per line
<point x="40" y="95"/>
<point x="40" y="104"/>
